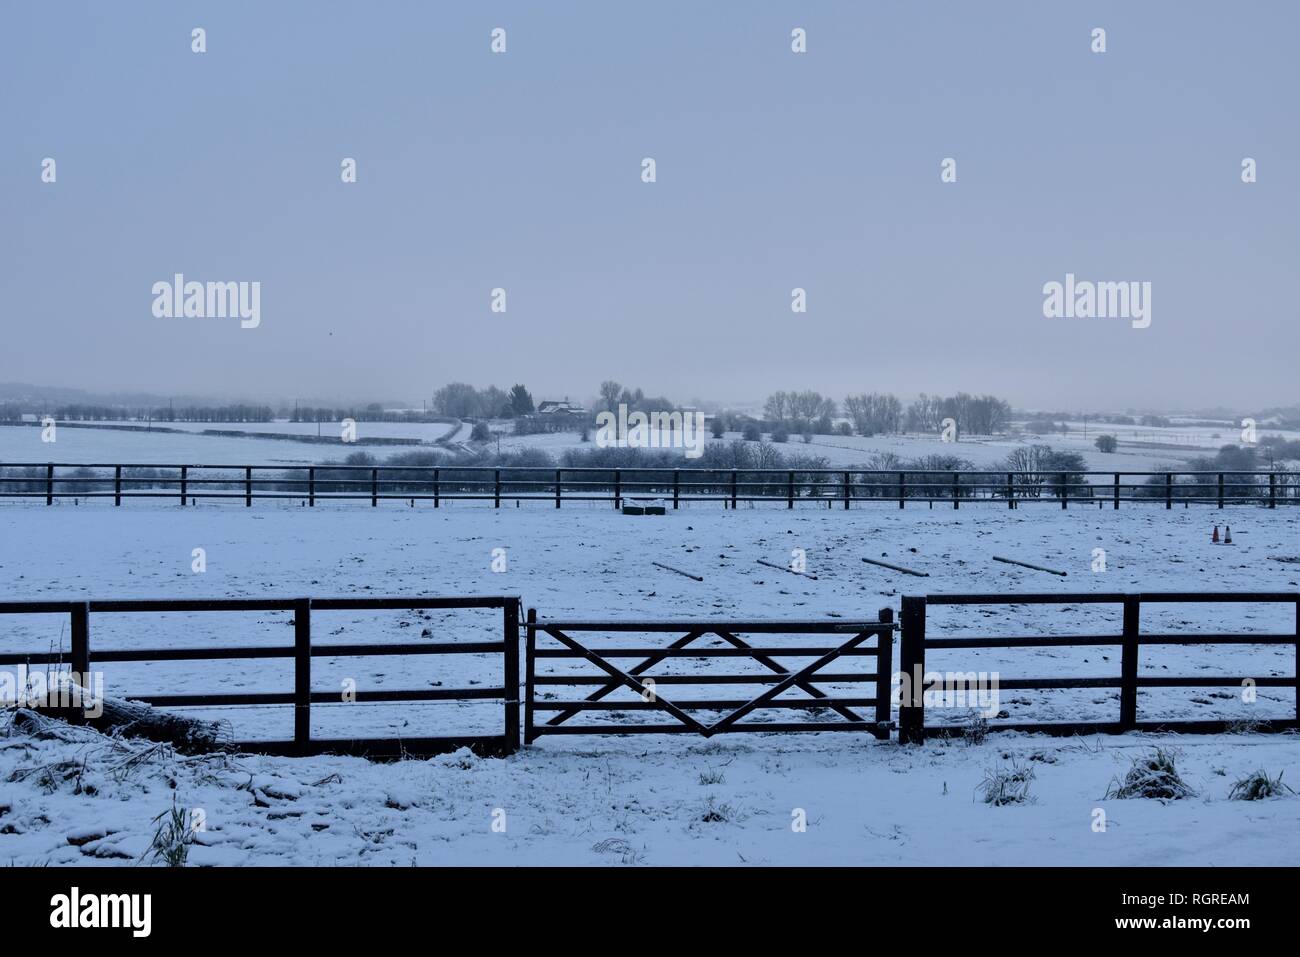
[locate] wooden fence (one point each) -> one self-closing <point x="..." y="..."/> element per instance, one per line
<point x="555" y="658"/>
<point x="82" y="655"/>
<point x="308" y="484"/>
<point x="914" y="643"/>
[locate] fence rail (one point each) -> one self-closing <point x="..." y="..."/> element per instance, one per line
<point x="309" y="484"/>
<point x="914" y="644"/>
<point x="302" y="651"/>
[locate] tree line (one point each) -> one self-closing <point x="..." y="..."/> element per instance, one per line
<point x="876" y="413"/>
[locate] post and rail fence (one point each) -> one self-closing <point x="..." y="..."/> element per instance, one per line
<point x="557" y="654"/>
<point x="312" y="484"/>
<point x="83" y="654"/>
<point x="914" y="643"/>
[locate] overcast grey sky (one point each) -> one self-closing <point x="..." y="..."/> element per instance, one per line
<point x="775" y="170"/>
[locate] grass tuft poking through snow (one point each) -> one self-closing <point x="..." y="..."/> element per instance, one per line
<point x="1258" y="786"/>
<point x="172" y="839"/>
<point x="1007" y="785"/>
<point x="1154" y="775"/>
<point x="976" y="730"/>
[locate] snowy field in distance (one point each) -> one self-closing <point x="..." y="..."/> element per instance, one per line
<point x="140" y="445"/>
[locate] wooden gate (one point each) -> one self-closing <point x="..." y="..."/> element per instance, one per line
<point x="698" y="646"/>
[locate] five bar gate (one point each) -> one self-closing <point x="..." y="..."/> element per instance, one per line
<point x="709" y="716"/>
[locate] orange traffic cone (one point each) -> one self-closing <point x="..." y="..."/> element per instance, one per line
<point x="1227" y="534"/>
<point x="1215" y="537"/>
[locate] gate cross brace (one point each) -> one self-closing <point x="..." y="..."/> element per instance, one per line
<point x="789" y="682"/>
<point x="682" y="642"/>
<point x="811" y="689"/>
<point x="623" y="678"/>
<point x="648" y="663"/>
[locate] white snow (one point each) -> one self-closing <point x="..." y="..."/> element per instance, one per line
<point x="622" y="801"/>
<point x="641" y="800"/>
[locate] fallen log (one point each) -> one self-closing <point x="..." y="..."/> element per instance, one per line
<point x="897" y="568"/>
<point x="1037" y="568"/>
<point x="134" y="719"/>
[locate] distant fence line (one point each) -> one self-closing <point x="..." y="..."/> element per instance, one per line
<point x="189" y="483"/>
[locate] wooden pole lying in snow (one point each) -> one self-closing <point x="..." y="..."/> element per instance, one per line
<point x="897" y="568"/>
<point x="784" y="569"/>
<point x="134" y="719"/>
<point x="1037" y="568"/>
<point x="698" y="578"/>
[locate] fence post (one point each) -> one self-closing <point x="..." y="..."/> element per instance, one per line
<point x="557" y="488"/>
<point x="789" y="490"/>
<point x="496" y="488"/>
<point x="79" y="629"/>
<point x="884" y="671"/>
<point x="248" y="486"/>
<point x="1169" y="490"/>
<point x="911" y="655"/>
<point x="185" y="472"/>
<point x="117" y="485"/>
<point x="618" y="488"/>
<point x="677" y="487"/>
<point x="374" y="487"/>
<point x="902" y="489"/>
<point x="1272" y="493"/>
<point x="530" y="647"/>
<point x="847" y="491"/>
<point x="1065" y="489"/>
<point x="311" y="487"/>
<point x="1220" y="490"/>
<point x="511" y="641"/>
<point x="437" y="487"/>
<point x="1011" y="491"/>
<point x="1116" y="490"/>
<point x="955" y="480"/>
<point x="301" y="674"/>
<point x="1129" y="663"/>
<point x="49" y="485"/>
<point x="733" y="490"/>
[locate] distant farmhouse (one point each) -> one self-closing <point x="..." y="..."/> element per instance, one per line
<point x="553" y="416"/>
<point x="563" y="407"/>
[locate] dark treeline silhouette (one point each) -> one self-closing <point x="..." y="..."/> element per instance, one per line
<point x="875" y="413"/>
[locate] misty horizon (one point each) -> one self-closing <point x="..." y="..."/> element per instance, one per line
<point x="819" y="172"/>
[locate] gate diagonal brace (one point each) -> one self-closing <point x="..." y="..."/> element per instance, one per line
<point x="786" y="683"/>
<point x="648" y="663"/>
<point x="625" y="679"/>
<point x="806" y="686"/>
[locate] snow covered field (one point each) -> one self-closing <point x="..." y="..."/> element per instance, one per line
<point x="652" y="801"/>
<point x="139" y="445"/>
<point x="595" y="563"/>
<point x="642" y="800"/>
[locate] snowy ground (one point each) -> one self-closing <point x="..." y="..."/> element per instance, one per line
<point x="621" y="801"/>
<point x="596" y="563"/>
<point x="652" y="800"/>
